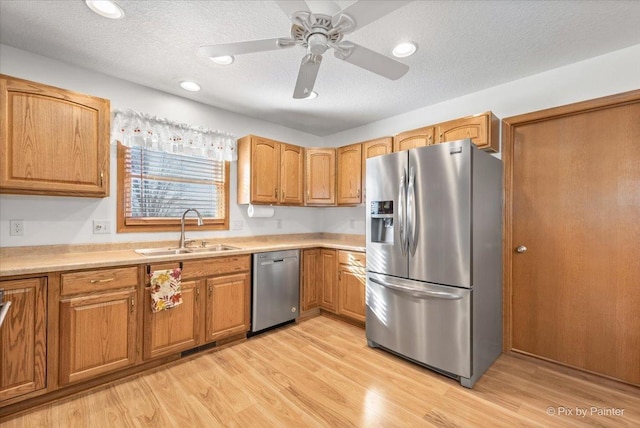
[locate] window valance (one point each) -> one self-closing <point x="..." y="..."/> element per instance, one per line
<point x="134" y="129"/>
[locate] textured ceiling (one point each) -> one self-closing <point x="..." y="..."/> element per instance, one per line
<point x="464" y="47"/>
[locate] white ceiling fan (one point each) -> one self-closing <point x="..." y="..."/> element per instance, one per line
<point x="320" y="31"/>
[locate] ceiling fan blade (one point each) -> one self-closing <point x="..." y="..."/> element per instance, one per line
<point x="240" y="48"/>
<point x="307" y="75"/>
<point x="365" y="12"/>
<point x="290" y="7"/>
<point x="372" y="61"/>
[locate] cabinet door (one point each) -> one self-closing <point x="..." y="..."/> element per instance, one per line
<point x="97" y="334"/>
<point x="320" y="174"/>
<point x="482" y="129"/>
<point x="23" y="338"/>
<point x="310" y="265"/>
<point x="412" y="139"/>
<point x="328" y="275"/>
<point x="227" y="306"/>
<point x="351" y="289"/>
<point x="173" y="330"/>
<point x="52" y="141"/>
<point x="291" y="174"/>
<point x="370" y="149"/>
<point x="265" y="170"/>
<point x="350" y="174"/>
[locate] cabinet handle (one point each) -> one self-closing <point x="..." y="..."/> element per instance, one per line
<point x="210" y="290"/>
<point x="197" y="293"/>
<point x="441" y="137"/>
<point x="358" y="194"/>
<point x="99" y="281"/>
<point x="101" y="178"/>
<point x="339" y="275"/>
<point x="276" y="192"/>
<point x="133" y="303"/>
<point x="283" y="194"/>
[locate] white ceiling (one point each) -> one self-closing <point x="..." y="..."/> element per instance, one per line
<point x="464" y="47"/>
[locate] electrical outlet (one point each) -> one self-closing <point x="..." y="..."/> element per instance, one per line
<point x="16" y="227"/>
<point x="278" y="224"/>
<point x="101" y="227"/>
<point x="236" y="224"/>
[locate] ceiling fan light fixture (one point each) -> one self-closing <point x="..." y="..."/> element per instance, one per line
<point x="223" y="60"/>
<point x="405" y="49"/>
<point x="190" y="86"/>
<point x="106" y="8"/>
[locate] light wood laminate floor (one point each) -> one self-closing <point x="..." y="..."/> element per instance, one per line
<point x="320" y="373"/>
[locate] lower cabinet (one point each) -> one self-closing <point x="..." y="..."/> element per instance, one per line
<point x="352" y="280"/>
<point x="309" y="284"/>
<point x="23" y="337"/>
<point x="176" y="329"/>
<point x="228" y="306"/>
<point x="97" y="334"/>
<point x="328" y="279"/>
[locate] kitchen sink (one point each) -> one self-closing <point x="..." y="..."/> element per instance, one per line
<point x="177" y="251"/>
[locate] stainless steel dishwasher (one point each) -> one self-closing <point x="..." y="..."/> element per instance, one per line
<point x="276" y="288"/>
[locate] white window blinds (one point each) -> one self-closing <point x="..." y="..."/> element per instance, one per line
<point x="159" y="185"/>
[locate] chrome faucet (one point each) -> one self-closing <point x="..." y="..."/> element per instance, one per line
<point x="200" y="223"/>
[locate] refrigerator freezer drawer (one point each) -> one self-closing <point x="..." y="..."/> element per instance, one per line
<point x="428" y="323"/>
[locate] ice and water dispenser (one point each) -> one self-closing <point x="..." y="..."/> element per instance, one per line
<point x="382" y="221"/>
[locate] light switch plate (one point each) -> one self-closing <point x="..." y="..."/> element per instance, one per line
<point x="101" y="227"/>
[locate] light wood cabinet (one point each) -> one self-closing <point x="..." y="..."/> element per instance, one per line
<point x="349" y="183"/>
<point x="311" y="260"/>
<point x="269" y="172"/>
<point x="320" y="173"/>
<point x="176" y="329"/>
<point x="97" y="334"/>
<point x="228" y="306"/>
<point x="327" y="277"/>
<point x="415" y="138"/>
<point x="370" y="149"/>
<point x="23" y="338"/>
<point x="226" y="303"/>
<point x="352" y="285"/>
<point x="52" y="141"/>
<point x="481" y="128"/>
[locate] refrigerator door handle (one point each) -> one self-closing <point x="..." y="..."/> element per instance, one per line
<point x="402" y="212"/>
<point x="411" y="212"/>
<point x="417" y="292"/>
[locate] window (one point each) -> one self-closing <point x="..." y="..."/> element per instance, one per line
<point x="155" y="188"/>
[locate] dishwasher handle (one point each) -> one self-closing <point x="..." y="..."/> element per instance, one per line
<point x="272" y="261"/>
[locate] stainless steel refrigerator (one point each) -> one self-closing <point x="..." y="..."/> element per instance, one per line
<point x="434" y="257"/>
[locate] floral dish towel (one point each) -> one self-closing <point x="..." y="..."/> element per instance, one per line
<point x="166" y="292"/>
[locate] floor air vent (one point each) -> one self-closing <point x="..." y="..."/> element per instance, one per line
<point x="198" y="349"/>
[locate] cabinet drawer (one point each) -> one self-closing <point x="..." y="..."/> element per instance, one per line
<point x="217" y="266"/>
<point x="352" y="258"/>
<point x="99" y="280"/>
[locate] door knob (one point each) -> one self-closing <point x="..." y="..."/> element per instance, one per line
<point x="521" y="249"/>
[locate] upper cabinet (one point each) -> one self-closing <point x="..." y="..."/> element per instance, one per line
<point x="269" y="172"/>
<point x="414" y="138"/>
<point x="320" y="172"/>
<point x="370" y="149"/>
<point x="482" y="129"/>
<point x="350" y="175"/>
<point x="52" y="141"/>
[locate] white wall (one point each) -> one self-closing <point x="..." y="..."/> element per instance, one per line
<point x="69" y="220"/>
<point x="54" y="220"/>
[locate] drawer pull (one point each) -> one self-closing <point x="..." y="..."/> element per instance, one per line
<point x="99" y="281"/>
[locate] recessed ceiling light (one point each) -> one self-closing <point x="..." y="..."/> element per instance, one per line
<point x="190" y="86"/>
<point x="223" y="60"/>
<point x="311" y="96"/>
<point x="106" y="8"/>
<point x="403" y="50"/>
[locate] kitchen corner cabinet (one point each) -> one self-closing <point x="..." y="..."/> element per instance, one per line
<point x="269" y="172"/>
<point x="176" y="329"/>
<point x="327" y="277"/>
<point x="311" y="261"/>
<point x="23" y="338"/>
<point x="320" y="173"/>
<point x="351" y="285"/>
<point x="415" y="138"/>
<point x="481" y="128"/>
<point x="52" y="141"/>
<point x="349" y="184"/>
<point x="226" y="295"/>
<point x="98" y="322"/>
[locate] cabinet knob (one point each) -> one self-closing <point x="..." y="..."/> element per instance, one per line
<point x="521" y="249"/>
<point x="358" y="194"/>
<point x="133" y="303"/>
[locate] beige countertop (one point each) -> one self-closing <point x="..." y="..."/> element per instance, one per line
<point x="56" y="258"/>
